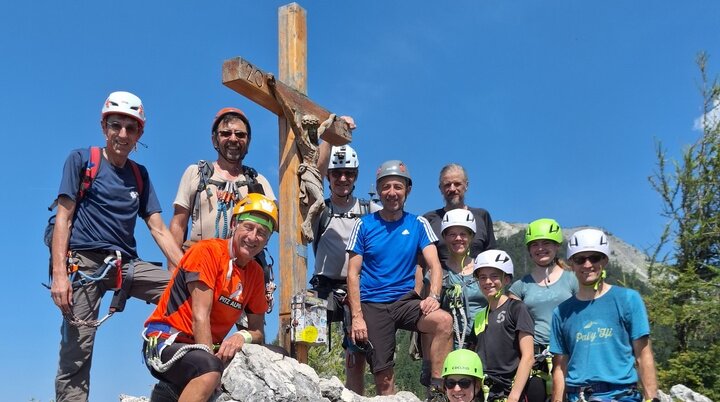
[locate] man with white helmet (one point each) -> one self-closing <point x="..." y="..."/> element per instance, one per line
<point x="383" y="250"/>
<point x="93" y="246"/>
<point x="503" y="331"/>
<point x="600" y="337"/>
<point x="332" y="230"/>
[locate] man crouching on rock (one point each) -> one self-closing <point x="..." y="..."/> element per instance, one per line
<point x="215" y="281"/>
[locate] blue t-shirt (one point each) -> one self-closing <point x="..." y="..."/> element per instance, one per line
<point x="541" y="300"/>
<point x="389" y="251"/>
<point x="597" y="337"/>
<point x="105" y="218"/>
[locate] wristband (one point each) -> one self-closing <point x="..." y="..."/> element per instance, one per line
<point x="246" y="335"/>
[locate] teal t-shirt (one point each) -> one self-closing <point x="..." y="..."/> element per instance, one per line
<point x="541" y="300"/>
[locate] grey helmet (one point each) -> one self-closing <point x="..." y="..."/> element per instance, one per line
<point x="393" y="168"/>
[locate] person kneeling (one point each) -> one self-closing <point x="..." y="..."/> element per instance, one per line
<point x="216" y="280"/>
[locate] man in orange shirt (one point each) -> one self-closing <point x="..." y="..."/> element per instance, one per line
<point x="216" y="280"/>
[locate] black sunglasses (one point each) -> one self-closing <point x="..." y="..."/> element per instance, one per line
<point x="464" y="383"/>
<point x="580" y="260"/>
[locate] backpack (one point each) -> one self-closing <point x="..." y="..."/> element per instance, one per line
<point x="87" y="176"/>
<point x="205" y="171"/>
<point x="327" y="215"/>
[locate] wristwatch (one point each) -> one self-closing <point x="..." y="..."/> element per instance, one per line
<point x="436" y="297"/>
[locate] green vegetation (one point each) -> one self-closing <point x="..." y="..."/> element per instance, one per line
<point x="685" y="280"/>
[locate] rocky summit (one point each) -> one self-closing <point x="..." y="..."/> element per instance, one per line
<point x="258" y="374"/>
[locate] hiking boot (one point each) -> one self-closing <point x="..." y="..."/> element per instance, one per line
<point x="435" y="394"/>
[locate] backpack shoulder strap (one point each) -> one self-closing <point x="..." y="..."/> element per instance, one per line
<point x="325" y="217"/>
<point x="91" y="171"/>
<point x="364" y="207"/>
<point x="138" y="176"/>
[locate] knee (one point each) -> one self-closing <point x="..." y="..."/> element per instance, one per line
<point x="443" y="324"/>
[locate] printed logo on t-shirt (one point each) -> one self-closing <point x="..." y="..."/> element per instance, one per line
<point x="501" y="317"/>
<point x="405" y="232"/>
<point x="592" y="331"/>
<point x="134" y="194"/>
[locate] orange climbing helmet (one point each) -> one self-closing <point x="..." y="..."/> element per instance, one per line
<point x="230" y="110"/>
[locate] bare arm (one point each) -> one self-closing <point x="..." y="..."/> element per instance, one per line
<point x="359" y="328"/>
<point x="559" y="372"/>
<point x="202" y="298"/>
<point x="178" y="224"/>
<point x="526" y="362"/>
<point x="646" y="366"/>
<point x="61" y="290"/>
<point x="164" y="238"/>
<point x="178" y="228"/>
<point x="234" y="343"/>
<point x="430" y="304"/>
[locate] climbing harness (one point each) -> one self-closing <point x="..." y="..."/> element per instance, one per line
<point x="157" y="340"/>
<point x="78" y="278"/>
<point x="456" y="304"/>
<point x="328" y="214"/>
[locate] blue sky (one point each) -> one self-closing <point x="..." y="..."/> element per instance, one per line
<point x="553" y="107"/>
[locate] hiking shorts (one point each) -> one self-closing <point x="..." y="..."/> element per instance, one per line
<point x="602" y="392"/>
<point x="195" y="363"/>
<point x="383" y="320"/>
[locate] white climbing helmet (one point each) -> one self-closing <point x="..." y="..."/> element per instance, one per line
<point x="125" y="103"/>
<point x="458" y="217"/>
<point x="588" y="240"/>
<point x="494" y="259"/>
<point x="343" y="157"/>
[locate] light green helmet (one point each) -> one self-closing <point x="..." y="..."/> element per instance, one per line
<point x="544" y="229"/>
<point x="463" y="362"/>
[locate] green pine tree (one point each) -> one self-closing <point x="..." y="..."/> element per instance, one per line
<point x="685" y="278"/>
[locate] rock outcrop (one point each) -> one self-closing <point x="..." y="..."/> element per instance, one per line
<point x="260" y="375"/>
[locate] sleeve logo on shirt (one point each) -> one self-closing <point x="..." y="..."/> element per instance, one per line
<point x="230" y="302"/>
<point x="134" y="194"/>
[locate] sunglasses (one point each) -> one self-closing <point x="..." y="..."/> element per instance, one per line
<point x="580" y="260"/>
<point x="229" y="133"/>
<point x="337" y="173"/>
<point x="116" y="126"/>
<point x="464" y="383"/>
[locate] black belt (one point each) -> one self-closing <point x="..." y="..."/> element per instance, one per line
<point x="599" y="387"/>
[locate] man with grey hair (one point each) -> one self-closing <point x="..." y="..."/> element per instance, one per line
<point x="453" y="185"/>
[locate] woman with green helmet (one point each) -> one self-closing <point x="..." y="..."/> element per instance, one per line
<point x="463" y="376"/>
<point x="543" y="289"/>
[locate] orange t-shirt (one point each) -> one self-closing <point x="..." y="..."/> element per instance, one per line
<point x="208" y="261"/>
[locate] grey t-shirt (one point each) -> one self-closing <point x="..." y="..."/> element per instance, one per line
<point x="331" y="259"/>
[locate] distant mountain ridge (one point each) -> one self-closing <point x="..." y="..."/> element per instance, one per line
<point x="627" y="257"/>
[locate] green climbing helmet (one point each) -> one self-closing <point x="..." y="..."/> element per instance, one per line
<point x="543" y="229"/>
<point x="463" y="362"/>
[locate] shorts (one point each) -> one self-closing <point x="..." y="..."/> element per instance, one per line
<point x="383" y="320"/>
<point x="605" y="393"/>
<point x="195" y="363"/>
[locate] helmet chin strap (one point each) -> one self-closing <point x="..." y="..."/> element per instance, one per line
<point x="596" y="285"/>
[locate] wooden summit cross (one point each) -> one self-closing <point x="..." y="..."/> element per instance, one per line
<point x="286" y="98"/>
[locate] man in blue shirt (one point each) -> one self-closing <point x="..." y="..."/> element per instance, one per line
<point x="600" y="334"/>
<point x="383" y="250"/>
<point x="93" y="245"/>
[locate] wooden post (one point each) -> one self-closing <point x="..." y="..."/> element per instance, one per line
<point x="250" y="81"/>
<point x="292" y="69"/>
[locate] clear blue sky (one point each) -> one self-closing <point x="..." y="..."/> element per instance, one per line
<point x="552" y="106"/>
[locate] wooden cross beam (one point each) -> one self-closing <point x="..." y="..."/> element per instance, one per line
<point x="263" y="89"/>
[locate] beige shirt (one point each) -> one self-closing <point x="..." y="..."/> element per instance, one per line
<point x="204" y="224"/>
